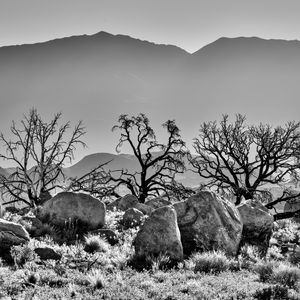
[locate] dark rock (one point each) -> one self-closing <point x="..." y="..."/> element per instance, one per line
<point x="47" y="253"/>
<point x="132" y="217"/>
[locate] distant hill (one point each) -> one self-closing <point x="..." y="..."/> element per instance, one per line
<point x="125" y="161"/>
<point x="89" y="162"/>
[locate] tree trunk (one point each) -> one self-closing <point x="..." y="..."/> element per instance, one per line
<point x="286" y="215"/>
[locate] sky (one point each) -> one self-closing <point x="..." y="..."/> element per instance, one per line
<point x="189" y="24"/>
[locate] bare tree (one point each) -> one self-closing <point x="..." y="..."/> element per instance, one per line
<point x="158" y="163"/>
<point x="38" y="151"/>
<point x="243" y="158"/>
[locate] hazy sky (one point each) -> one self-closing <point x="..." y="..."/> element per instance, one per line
<point x="189" y="24"/>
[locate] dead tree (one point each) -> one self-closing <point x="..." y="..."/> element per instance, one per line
<point x="158" y="163"/>
<point x="37" y="151"/>
<point x="244" y="158"/>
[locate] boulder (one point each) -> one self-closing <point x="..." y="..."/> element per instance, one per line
<point x="157" y="202"/>
<point x="47" y="253"/>
<point x="291" y="206"/>
<point x="129" y="201"/>
<point x="113" y="205"/>
<point x="208" y="222"/>
<point x="68" y="206"/>
<point x="123" y="203"/>
<point x="257" y="224"/>
<point x="145" y="209"/>
<point x="11" y="234"/>
<point x="108" y="234"/>
<point x="159" y="235"/>
<point x="132" y="217"/>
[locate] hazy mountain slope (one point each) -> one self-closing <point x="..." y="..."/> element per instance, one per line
<point x="118" y="162"/>
<point x="98" y="77"/>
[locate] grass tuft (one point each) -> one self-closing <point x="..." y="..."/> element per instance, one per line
<point x="95" y="243"/>
<point x="210" y="262"/>
<point x="95" y="279"/>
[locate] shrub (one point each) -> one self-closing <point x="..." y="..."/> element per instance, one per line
<point x="265" y="271"/>
<point x="23" y="254"/>
<point x="95" y="243"/>
<point x="160" y="262"/>
<point x="248" y="257"/>
<point x="287" y="275"/>
<point x="210" y="262"/>
<point x="286" y="231"/>
<point x="32" y="279"/>
<point x="95" y="279"/>
<point x="294" y="258"/>
<point x="276" y="292"/>
<point x="274" y="253"/>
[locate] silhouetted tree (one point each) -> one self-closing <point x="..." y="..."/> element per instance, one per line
<point x="159" y="163"/>
<point x="37" y="150"/>
<point x="244" y="158"/>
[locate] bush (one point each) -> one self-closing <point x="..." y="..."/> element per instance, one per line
<point x="22" y="255"/>
<point x="210" y="262"/>
<point x="265" y="271"/>
<point x="287" y="275"/>
<point x="248" y="257"/>
<point x="32" y="279"/>
<point x="294" y="258"/>
<point x="286" y="231"/>
<point x="95" y="279"/>
<point x="276" y="292"/>
<point x="95" y="243"/>
<point x="274" y="253"/>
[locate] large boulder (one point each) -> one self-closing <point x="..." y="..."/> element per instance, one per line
<point x="11" y="234"/>
<point x="291" y="206"/>
<point x="257" y="224"/>
<point x="68" y="206"/>
<point x="160" y="235"/>
<point x="132" y="217"/>
<point x="157" y="202"/>
<point x="209" y="222"/>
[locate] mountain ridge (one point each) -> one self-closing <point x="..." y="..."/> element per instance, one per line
<point x="99" y="81"/>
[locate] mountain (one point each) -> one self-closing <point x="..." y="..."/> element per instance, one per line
<point x="122" y="161"/>
<point x="96" y="78"/>
<point x="89" y="162"/>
